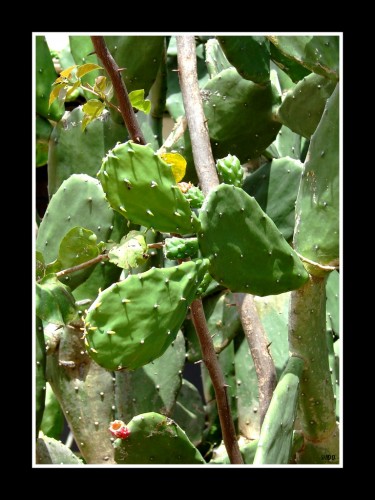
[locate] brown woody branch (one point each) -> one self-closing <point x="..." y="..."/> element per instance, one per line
<point x="257" y="340"/>
<point x="119" y="86"/>
<point x="207" y="175"/>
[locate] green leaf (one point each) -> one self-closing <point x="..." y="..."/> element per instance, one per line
<point x="137" y="100"/>
<point x="130" y="252"/>
<point x="78" y="245"/>
<point x="87" y="68"/>
<point x="103" y="88"/>
<point x="73" y="88"/>
<point x="54" y="301"/>
<point x="92" y="109"/>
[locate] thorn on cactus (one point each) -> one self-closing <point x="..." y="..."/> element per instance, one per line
<point x="118" y="429"/>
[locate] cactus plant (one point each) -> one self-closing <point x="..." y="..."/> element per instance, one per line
<point x="133" y="322"/>
<point x="79" y="202"/>
<point x="316" y="234"/>
<point x="312" y="91"/>
<point x="189" y="413"/>
<point x="250" y="55"/>
<point x="53" y="419"/>
<point x="141" y="187"/>
<point x="275" y="442"/>
<point x="86" y="395"/>
<point x="230" y="170"/>
<point x="227" y="99"/>
<point x="162" y="248"/>
<point x="72" y="152"/>
<point x="153" y="387"/>
<point x="180" y="248"/>
<point x="40" y="373"/>
<point x="247" y="253"/>
<point x="156" y="439"/>
<point x="51" y="451"/>
<point x="45" y="76"/>
<point x="316" y="53"/>
<point x="275" y="187"/>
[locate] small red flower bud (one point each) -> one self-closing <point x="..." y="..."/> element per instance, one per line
<point x="119" y="429"/>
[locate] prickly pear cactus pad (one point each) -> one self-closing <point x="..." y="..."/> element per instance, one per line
<point x="155" y="439"/>
<point x="140" y="186"/>
<point x="79" y="202"/>
<point x="133" y="322"/>
<point x="240" y="115"/>
<point x="316" y="233"/>
<point x="247" y="252"/>
<point x="230" y="170"/>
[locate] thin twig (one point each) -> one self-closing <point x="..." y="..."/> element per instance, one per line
<point x="119" y="86"/>
<point x="78" y="267"/>
<point x="100" y="97"/>
<point x="207" y="175"/>
<point x="200" y="139"/>
<point x="319" y="266"/>
<point x="257" y="340"/>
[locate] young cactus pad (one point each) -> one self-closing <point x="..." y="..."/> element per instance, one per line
<point x="155" y="439"/>
<point x="276" y="438"/>
<point x="230" y="170"/>
<point x="133" y="322"/>
<point x="141" y="187"/>
<point x="247" y="252"/>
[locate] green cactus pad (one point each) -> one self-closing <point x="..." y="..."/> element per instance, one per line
<point x="319" y="54"/>
<point x="189" y="412"/>
<point x="140" y="55"/>
<point x="142" y="314"/>
<point x="292" y="71"/>
<point x="273" y="314"/>
<point x="230" y="170"/>
<point x="50" y="451"/>
<point x="53" y="419"/>
<point x="180" y="248"/>
<point x="303" y="106"/>
<point x="43" y="129"/>
<point x="247" y="252"/>
<point x="275" y="187"/>
<point x="287" y="143"/>
<point x="54" y="301"/>
<point x="195" y="197"/>
<point x="86" y="395"/>
<point x="276" y="437"/>
<point x="333" y="302"/>
<point x="72" y="151"/>
<point x="250" y="55"/>
<point x="79" y="201"/>
<point x="216" y="60"/>
<point x="141" y="187"/>
<point x="240" y="115"/>
<point x="155" y="439"/>
<point x="45" y="76"/>
<point x="247" y="451"/>
<point x="40" y="373"/>
<point x="153" y="387"/>
<point x="316" y="234"/>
